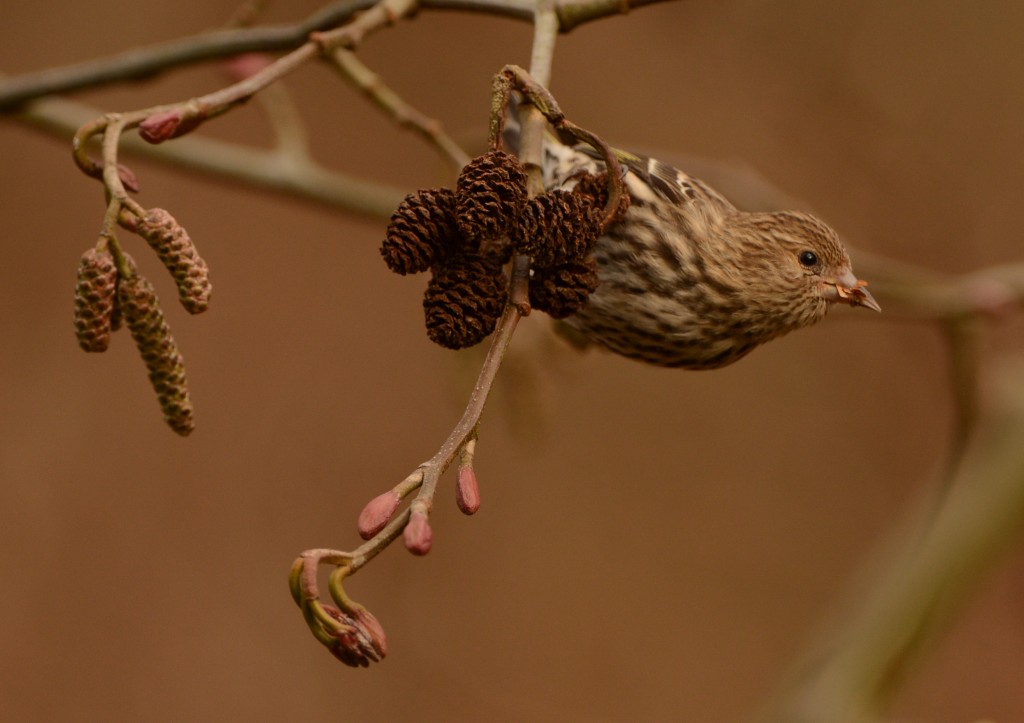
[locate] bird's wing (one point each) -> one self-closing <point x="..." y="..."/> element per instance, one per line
<point x="646" y="179"/>
<point x="672" y="184"/>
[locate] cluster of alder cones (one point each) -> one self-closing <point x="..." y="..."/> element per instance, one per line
<point x="466" y="236"/>
<point x="108" y="292"/>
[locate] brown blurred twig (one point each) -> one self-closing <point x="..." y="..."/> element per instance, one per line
<point x="277" y="169"/>
<point x="930" y="568"/>
<point x="354" y="70"/>
<point x="149" y="61"/>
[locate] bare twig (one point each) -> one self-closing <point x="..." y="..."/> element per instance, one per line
<point x="962" y="335"/>
<point x="278" y="169"/>
<point x="412" y="522"/>
<point x="346" y="62"/>
<point x="147" y="62"/>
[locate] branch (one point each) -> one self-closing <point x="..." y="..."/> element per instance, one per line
<point x="349" y="66"/>
<point x="150" y="61"/>
<point x="929" y="577"/>
<point x="278" y="170"/>
<point x="344" y="629"/>
<point x="140" y="63"/>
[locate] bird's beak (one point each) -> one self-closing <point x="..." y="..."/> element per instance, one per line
<point x="846" y="288"/>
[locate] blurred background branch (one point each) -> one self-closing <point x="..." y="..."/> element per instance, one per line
<point x="935" y="561"/>
<point x="922" y="577"/>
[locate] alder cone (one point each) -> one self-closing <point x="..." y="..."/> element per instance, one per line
<point x="557" y="227"/>
<point x="562" y="290"/>
<point x="490" y="195"/>
<point x="422" y="231"/>
<point x="463" y="302"/>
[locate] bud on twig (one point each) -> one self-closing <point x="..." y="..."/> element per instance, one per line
<point x="359" y="640"/>
<point x="377" y="513"/>
<point x="145" y="319"/>
<point x="246" y="65"/>
<point x="467" y="490"/>
<point x="161" y="127"/>
<point x="177" y="252"/>
<point x="95" y="300"/>
<point x="128" y="179"/>
<point x="369" y="624"/>
<point x="418" y="536"/>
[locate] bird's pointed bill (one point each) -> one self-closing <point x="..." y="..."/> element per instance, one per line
<point x="848" y="289"/>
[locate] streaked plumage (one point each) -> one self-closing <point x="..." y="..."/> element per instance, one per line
<point x="688" y="280"/>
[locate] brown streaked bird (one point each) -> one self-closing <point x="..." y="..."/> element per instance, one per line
<point x="688" y="280"/>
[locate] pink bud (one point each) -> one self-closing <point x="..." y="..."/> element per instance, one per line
<point x="161" y="127"/>
<point x="246" y="65"/>
<point x="128" y="178"/>
<point x="992" y="297"/>
<point x="467" y="490"/>
<point x="418" y="535"/>
<point x="356" y="644"/>
<point x="377" y="513"/>
<point x="128" y="221"/>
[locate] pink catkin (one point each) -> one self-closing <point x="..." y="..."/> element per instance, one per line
<point x="145" y="320"/>
<point x="95" y="300"/>
<point x="177" y="252"/>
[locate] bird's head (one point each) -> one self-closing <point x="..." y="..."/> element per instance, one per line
<point x="818" y="257"/>
<point x="810" y="259"/>
<point x="795" y="269"/>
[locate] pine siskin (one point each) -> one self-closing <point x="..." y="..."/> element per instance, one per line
<point x="688" y="280"/>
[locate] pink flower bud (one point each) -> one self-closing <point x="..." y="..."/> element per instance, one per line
<point x="356" y="644"/>
<point x="128" y="178"/>
<point x="418" y="536"/>
<point x="246" y="65"/>
<point x="128" y="221"/>
<point x="161" y="127"/>
<point x="366" y="621"/>
<point x="992" y="297"/>
<point x="377" y="513"/>
<point x="467" y="490"/>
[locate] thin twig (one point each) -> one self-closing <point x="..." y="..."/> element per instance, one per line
<point x="962" y="336"/>
<point x="146" y="62"/>
<point x="275" y="170"/>
<point x="155" y="59"/>
<point x="353" y="69"/>
<point x="286" y="120"/>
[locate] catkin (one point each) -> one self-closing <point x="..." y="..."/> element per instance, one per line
<point x="95" y="300"/>
<point x="177" y="252"/>
<point x="141" y="309"/>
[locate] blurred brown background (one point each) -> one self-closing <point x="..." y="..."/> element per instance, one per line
<point x="653" y="545"/>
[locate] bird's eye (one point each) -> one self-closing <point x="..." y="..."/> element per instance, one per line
<point x="808" y="258"/>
